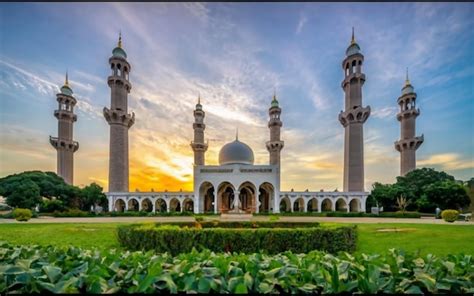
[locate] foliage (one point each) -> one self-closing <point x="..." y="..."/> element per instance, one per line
<point x="26" y="190"/>
<point x="450" y="215"/>
<point x="175" y="239"/>
<point x="92" y="195"/>
<point x="344" y="214"/>
<point x="22" y="214"/>
<point x="73" y="213"/>
<point x="402" y="203"/>
<point x="5" y="207"/>
<point x="33" y="269"/>
<point x="50" y="206"/>
<point x="424" y="190"/>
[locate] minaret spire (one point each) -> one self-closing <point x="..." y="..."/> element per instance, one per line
<point x="120" y="39"/>
<point x="407" y="81"/>
<point x="66" y="82"/>
<point x="353" y="38"/>
<point x="199" y="98"/>
<point x="237" y="134"/>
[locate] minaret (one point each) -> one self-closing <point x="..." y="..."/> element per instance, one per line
<point x="353" y="118"/>
<point x="198" y="145"/>
<point x="275" y="145"/>
<point x="119" y="119"/>
<point x="64" y="143"/>
<point x="408" y="143"/>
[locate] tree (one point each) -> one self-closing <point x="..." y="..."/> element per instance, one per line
<point x="424" y="189"/>
<point x="26" y="195"/>
<point x="92" y="195"/>
<point x="402" y="203"/>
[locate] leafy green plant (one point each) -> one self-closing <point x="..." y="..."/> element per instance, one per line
<point x="450" y="215"/>
<point x="22" y="214"/>
<point x="34" y="269"/>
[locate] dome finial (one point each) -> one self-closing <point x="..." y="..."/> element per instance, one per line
<point x="66" y="82"/>
<point x="120" y="39"/>
<point x="353" y="38"/>
<point x="407" y="81"/>
<point x="237" y="134"/>
<point x="199" y="98"/>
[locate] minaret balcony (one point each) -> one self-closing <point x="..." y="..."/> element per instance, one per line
<point x="197" y="147"/>
<point x="117" y="116"/>
<point x="275" y="146"/>
<point x="65" y="115"/>
<point x="358" y="114"/>
<point x="119" y="81"/>
<point x="274" y="122"/>
<point x="360" y="77"/>
<point x="62" y="144"/>
<point x="198" y="125"/>
<point x="62" y="98"/>
<point x="409" y="144"/>
<point x="404" y="97"/>
<point x="413" y="112"/>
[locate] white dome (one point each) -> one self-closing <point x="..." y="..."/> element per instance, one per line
<point x="236" y="153"/>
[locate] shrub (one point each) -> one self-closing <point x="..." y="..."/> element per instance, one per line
<point x="450" y="215"/>
<point x="22" y="214"/>
<point x="46" y="270"/>
<point x="175" y="240"/>
<point x="50" y="206"/>
<point x="73" y="213"/>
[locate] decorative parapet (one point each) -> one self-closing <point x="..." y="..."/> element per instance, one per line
<point x="275" y="146"/>
<point x="409" y="144"/>
<point x="199" y="146"/>
<point x="352" y="76"/>
<point x="358" y="114"/>
<point x="116" y="116"/>
<point x="408" y="113"/>
<point x="119" y="81"/>
<point x="65" y="115"/>
<point x="61" y="144"/>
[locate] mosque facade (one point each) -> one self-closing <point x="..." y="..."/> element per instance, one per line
<point x="237" y="184"/>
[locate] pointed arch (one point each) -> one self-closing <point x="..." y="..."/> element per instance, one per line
<point x="160" y="205"/>
<point x="298" y="205"/>
<point x="247" y="198"/>
<point x="312" y="205"/>
<point x="188" y="205"/>
<point x="266" y="192"/>
<point x="175" y="205"/>
<point x="354" y="205"/>
<point x="133" y="205"/>
<point x="225" y="196"/>
<point x="285" y="204"/>
<point x="119" y="205"/>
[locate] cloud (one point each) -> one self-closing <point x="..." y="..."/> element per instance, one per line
<point x="447" y="161"/>
<point x="385" y="112"/>
<point x="302" y="21"/>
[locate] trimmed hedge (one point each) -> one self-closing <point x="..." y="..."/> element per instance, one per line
<point x="345" y="214"/>
<point x="238" y="224"/>
<point x="450" y="215"/>
<point x="22" y="214"/>
<point x="174" y="239"/>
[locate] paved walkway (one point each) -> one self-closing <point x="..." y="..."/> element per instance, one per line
<point x="256" y="218"/>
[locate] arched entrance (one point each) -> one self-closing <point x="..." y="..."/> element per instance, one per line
<point x="326" y="205"/>
<point x="188" y="205"/>
<point x="341" y="205"/>
<point x="147" y="205"/>
<point x="160" y="205"/>
<point x="265" y="197"/>
<point x="285" y="205"/>
<point x="206" y="192"/>
<point x="133" y="205"/>
<point x="175" y="206"/>
<point x="298" y="205"/>
<point x="247" y="200"/>
<point x="354" y="205"/>
<point x="119" y="205"/>
<point x="312" y="205"/>
<point x="225" y="197"/>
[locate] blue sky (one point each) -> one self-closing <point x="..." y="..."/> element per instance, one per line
<point x="235" y="55"/>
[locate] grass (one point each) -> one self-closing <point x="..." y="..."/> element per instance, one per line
<point x="424" y="238"/>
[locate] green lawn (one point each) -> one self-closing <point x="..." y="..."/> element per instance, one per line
<point x="425" y="238"/>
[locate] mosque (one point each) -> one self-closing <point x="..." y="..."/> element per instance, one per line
<point x="237" y="184"/>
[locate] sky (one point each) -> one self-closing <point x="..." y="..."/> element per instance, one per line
<point x="235" y="55"/>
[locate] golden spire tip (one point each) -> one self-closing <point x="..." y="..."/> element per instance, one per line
<point x="66" y="82"/>
<point x="120" y="39"/>
<point x="353" y="38"/>
<point x="407" y="81"/>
